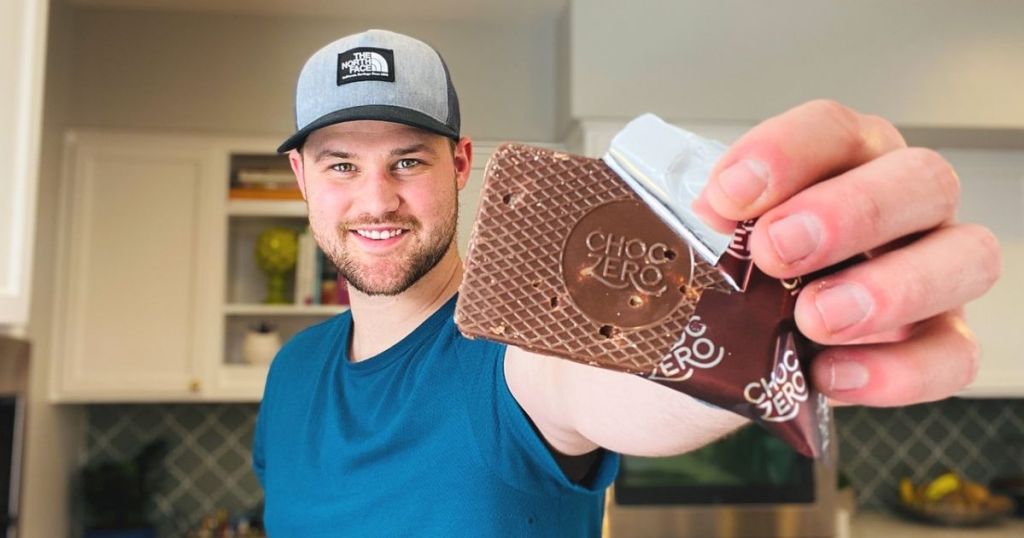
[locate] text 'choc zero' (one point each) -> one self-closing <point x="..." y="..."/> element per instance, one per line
<point x="602" y="262"/>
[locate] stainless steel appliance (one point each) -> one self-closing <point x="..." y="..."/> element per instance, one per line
<point x="747" y="485"/>
<point x="13" y="386"/>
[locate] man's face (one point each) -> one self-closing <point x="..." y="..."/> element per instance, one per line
<point x="382" y="198"/>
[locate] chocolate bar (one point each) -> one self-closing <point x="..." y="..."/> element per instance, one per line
<point x="566" y="260"/>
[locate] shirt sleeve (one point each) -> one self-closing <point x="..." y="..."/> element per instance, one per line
<point x="258" y="463"/>
<point x="506" y="438"/>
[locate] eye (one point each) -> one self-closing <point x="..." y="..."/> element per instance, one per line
<point x="407" y="163"/>
<point x="343" y="167"/>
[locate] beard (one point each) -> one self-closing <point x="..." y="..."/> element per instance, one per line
<point x="399" y="272"/>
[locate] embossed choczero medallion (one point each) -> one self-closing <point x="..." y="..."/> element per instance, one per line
<point x="624" y="267"/>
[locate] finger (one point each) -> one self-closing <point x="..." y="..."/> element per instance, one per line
<point x="939" y="359"/>
<point x="701" y="207"/>
<point x="898" y="334"/>
<point x="791" y="151"/>
<point x="900" y="193"/>
<point x="941" y="271"/>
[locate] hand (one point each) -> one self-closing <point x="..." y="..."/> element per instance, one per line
<point x="829" y="183"/>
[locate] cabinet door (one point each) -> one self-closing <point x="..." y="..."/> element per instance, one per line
<point x="469" y="198"/>
<point x="22" y="47"/>
<point x="128" y="327"/>
<point x="997" y="322"/>
<point x="992" y="186"/>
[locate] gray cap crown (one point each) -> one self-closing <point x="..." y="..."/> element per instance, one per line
<point x="375" y="75"/>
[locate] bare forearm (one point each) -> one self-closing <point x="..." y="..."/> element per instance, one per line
<point x="632" y="415"/>
<point x="579" y="408"/>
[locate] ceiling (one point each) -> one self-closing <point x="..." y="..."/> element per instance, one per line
<point x="431" y="10"/>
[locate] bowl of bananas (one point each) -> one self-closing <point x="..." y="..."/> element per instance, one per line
<point x="951" y="499"/>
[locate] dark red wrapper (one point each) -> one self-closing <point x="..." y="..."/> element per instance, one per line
<point x="565" y="260"/>
<point x="742" y="352"/>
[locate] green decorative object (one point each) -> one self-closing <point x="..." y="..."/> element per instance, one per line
<point x="276" y="251"/>
<point x="117" y="496"/>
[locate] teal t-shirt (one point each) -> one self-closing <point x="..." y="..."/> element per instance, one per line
<point x="424" y="439"/>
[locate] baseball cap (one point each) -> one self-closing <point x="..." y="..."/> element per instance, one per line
<point x="375" y="75"/>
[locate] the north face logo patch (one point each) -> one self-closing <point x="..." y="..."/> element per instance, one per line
<point x="366" y="63"/>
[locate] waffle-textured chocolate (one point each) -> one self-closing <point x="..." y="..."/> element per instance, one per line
<point x="565" y="260"/>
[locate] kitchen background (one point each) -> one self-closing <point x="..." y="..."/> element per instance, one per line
<point x="945" y="71"/>
<point x="207" y="467"/>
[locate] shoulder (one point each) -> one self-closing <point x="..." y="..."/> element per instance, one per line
<point x="318" y="331"/>
<point x="322" y="334"/>
<point x="474" y="354"/>
<point x="312" y="344"/>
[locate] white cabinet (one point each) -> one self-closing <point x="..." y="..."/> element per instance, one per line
<point x="22" y="54"/>
<point x="237" y="283"/>
<point x="992" y="186"/>
<point x="469" y="196"/>
<point x="132" y="289"/>
<point x="998" y="322"/>
<point x="157" y="282"/>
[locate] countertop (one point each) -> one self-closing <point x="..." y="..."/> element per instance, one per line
<point x="868" y="524"/>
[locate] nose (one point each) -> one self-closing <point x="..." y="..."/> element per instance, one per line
<point x="379" y="194"/>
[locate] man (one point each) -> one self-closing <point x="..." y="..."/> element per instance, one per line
<point x="385" y="421"/>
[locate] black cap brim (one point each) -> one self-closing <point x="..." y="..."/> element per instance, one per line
<point x="394" y="114"/>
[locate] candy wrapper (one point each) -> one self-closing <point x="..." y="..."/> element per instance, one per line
<point x="601" y="262"/>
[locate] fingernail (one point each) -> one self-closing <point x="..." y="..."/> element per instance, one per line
<point x="795" y="237"/>
<point x="847" y="375"/>
<point x="744" y="181"/>
<point x="843" y="305"/>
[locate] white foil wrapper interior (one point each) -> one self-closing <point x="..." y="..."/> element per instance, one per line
<point x="668" y="167"/>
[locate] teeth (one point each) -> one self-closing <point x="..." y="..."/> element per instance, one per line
<point x="379" y="234"/>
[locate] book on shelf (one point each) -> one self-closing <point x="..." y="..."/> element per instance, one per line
<point x="318" y="264"/>
<point x="333" y="287"/>
<point x="305" y="270"/>
<point x="249" y="193"/>
<point x="266" y="178"/>
<point x="317" y="281"/>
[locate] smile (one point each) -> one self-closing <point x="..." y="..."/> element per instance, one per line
<point x="380" y="234"/>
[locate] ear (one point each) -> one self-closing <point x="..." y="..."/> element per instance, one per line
<point x="463" y="161"/>
<point x="295" y="159"/>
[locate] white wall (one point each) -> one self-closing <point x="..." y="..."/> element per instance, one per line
<point x="935" y="63"/>
<point x="235" y="73"/>
<point x="563" y="71"/>
<point x="54" y="434"/>
<point x="22" y="48"/>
